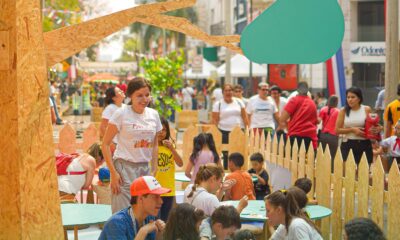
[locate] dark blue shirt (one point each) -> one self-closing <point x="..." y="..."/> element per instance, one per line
<point x="120" y="226"/>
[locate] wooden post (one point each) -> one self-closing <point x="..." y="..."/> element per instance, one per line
<point x="30" y="207"/>
<point x="392" y="51"/>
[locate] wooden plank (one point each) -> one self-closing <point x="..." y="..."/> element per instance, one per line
<point x="186" y="118"/>
<point x="310" y="169"/>
<point x="393" y="219"/>
<point x="293" y="162"/>
<point x="90" y="136"/>
<point x="262" y="143"/>
<point x="286" y="159"/>
<point x="67" y="139"/>
<point x="256" y="142"/>
<point x="236" y="140"/>
<point x="349" y="186"/>
<point x="268" y="152"/>
<point x="323" y="186"/>
<point x="337" y="183"/>
<point x="378" y="177"/>
<point x="251" y="142"/>
<point x="362" y="187"/>
<point x="274" y="154"/>
<point x="187" y="148"/>
<point x="302" y="162"/>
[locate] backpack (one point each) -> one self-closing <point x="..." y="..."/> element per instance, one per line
<point x="62" y="162"/>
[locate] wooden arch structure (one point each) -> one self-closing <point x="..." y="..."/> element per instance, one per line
<point x="29" y="204"/>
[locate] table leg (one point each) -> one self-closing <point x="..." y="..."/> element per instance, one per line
<point x="318" y="223"/>
<point x="75" y="232"/>
<point x="65" y="234"/>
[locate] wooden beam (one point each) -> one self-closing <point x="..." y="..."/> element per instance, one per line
<point x="30" y="208"/>
<point x="64" y="42"/>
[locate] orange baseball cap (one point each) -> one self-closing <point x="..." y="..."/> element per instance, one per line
<point x="147" y="185"/>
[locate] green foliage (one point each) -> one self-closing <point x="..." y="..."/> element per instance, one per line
<point x="60" y="13"/>
<point x="129" y="50"/>
<point x="164" y="75"/>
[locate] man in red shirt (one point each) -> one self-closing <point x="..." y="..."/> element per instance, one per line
<point x="302" y="112"/>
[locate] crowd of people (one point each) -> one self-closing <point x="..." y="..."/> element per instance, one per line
<point x="141" y="157"/>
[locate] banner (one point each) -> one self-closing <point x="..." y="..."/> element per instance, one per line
<point x="283" y="76"/>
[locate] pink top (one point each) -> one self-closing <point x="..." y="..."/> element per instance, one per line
<point x="329" y="121"/>
<point x="203" y="158"/>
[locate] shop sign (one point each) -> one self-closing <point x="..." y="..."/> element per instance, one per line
<point x="367" y="52"/>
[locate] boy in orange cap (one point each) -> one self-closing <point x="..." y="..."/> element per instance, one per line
<point x="138" y="221"/>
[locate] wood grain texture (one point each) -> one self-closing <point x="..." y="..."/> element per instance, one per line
<point x="377" y="193"/>
<point x="337" y="218"/>
<point x="293" y="163"/>
<point x="67" y="139"/>
<point x="90" y="136"/>
<point x="236" y="144"/>
<point x="362" y="187"/>
<point x="64" y="42"/>
<point x="393" y="202"/>
<point x="349" y="186"/>
<point x="187" y="146"/>
<point x="28" y="184"/>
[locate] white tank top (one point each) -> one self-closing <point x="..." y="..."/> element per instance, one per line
<point x="72" y="183"/>
<point x="355" y="119"/>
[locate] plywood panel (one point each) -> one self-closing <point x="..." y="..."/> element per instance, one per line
<point x="217" y="138"/>
<point x="337" y="219"/>
<point x="302" y="162"/>
<point x="67" y="139"/>
<point x="378" y="176"/>
<point x="28" y="184"/>
<point x="349" y="186"/>
<point x="362" y="187"/>
<point x="294" y="162"/>
<point x="90" y="136"/>
<point x="393" y="202"/>
<point x="310" y="169"/>
<point x="288" y="152"/>
<point x="187" y="147"/>
<point x="236" y="144"/>
<point x="268" y="149"/>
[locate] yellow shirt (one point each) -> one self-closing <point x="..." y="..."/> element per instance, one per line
<point x="392" y="113"/>
<point x="166" y="170"/>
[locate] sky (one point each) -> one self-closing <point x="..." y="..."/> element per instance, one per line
<point x="113" y="50"/>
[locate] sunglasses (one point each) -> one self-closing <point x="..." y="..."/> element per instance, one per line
<point x="264" y="89"/>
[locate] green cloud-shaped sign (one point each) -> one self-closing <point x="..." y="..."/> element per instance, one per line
<point x="295" y="32"/>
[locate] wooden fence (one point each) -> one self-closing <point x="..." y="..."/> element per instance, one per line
<point x="349" y="194"/>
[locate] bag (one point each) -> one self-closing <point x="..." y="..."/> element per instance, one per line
<point x="62" y="162"/>
<point x="372" y="120"/>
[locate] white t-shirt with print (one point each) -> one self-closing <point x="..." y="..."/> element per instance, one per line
<point x="298" y="229"/>
<point x="262" y="112"/>
<point x="107" y="114"/>
<point x="229" y="114"/>
<point x="201" y="199"/>
<point x="136" y="133"/>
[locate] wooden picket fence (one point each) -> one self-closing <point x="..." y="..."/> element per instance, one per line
<point x="349" y="194"/>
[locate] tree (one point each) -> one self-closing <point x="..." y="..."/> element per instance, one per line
<point x="130" y="50"/>
<point x="164" y="75"/>
<point x="59" y="13"/>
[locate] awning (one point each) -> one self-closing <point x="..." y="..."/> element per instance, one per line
<point x="240" y="67"/>
<point x="207" y="70"/>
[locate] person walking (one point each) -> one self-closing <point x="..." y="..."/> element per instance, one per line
<point x="136" y="127"/>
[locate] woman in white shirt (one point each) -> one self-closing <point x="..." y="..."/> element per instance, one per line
<point x="283" y="209"/>
<point x="136" y="127"/>
<point x="114" y="100"/>
<point x="228" y="113"/>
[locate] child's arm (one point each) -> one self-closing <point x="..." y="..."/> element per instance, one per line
<point x="263" y="178"/>
<point x="188" y="169"/>
<point x="177" y="158"/>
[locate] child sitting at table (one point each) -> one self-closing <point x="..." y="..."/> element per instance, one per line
<point x="208" y="189"/>
<point x="261" y="186"/>
<point x="222" y="224"/>
<point x="392" y="145"/>
<point x="244" y="183"/>
<point x="102" y="187"/>
<point x="204" y="151"/>
<point x="305" y="184"/>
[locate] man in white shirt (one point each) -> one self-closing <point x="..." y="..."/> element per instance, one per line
<point x="262" y="111"/>
<point x="187" y="93"/>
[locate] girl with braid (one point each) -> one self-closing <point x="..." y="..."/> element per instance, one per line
<point x="284" y="208"/>
<point x="208" y="189"/>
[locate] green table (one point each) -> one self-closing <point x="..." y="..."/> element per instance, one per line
<point x="75" y="215"/>
<point x="181" y="177"/>
<point x="255" y="211"/>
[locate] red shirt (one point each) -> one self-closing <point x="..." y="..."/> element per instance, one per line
<point x="303" y="118"/>
<point x="122" y="86"/>
<point x="329" y="121"/>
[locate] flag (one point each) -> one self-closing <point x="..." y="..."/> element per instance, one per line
<point x="336" y="77"/>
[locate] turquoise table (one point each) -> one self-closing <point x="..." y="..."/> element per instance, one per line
<point x="255" y="211"/>
<point x="181" y="177"/>
<point x="75" y="215"/>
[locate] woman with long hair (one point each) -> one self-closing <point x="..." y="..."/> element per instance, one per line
<point x="283" y="210"/>
<point x="136" y="127"/>
<point x="183" y="223"/>
<point x="351" y="123"/>
<point x="328" y="115"/>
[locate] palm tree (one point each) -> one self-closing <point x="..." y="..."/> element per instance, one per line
<point x="150" y="33"/>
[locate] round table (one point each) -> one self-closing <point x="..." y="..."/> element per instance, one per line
<point x="255" y="210"/>
<point x="181" y="177"/>
<point x="76" y="215"/>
